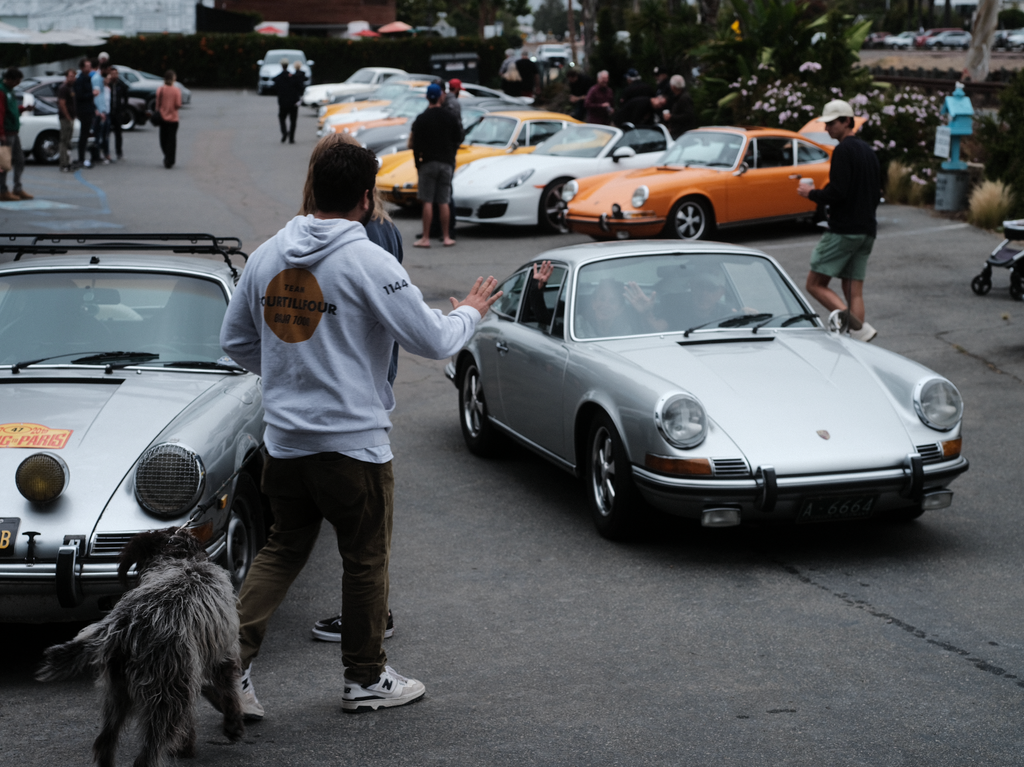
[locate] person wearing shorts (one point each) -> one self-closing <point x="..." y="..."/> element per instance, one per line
<point x="852" y="194"/>
<point x="434" y="139"/>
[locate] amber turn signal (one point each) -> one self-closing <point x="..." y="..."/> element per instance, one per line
<point x="951" y="448"/>
<point x="680" y="466"/>
<point x="203" y="532"/>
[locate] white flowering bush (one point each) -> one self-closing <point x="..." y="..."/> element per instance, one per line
<point x="899" y="123"/>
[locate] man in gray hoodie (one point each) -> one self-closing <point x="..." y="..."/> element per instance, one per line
<point x="316" y="313"/>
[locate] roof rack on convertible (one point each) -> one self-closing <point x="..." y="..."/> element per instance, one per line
<point x="44" y="244"/>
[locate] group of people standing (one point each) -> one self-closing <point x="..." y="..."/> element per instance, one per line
<point x="97" y="97"/>
<point x="640" y="103"/>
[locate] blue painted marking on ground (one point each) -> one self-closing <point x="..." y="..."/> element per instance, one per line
<point x="35" y="205"/>
<point x="99" y="193"/>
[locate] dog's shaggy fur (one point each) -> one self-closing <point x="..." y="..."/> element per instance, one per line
<point x="168" y="640"/>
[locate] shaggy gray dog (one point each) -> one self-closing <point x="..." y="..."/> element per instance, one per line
<point x="168" y="640"/>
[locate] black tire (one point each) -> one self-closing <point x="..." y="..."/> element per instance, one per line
<point x="129" y="119"/>
<point x="691" y="219"/>
<point x="608" y="477"/>
<point x="980" y="285"/>
<point x="549" y="210"/>
<point x="245" y="531"/>
<point x="481" y="437"/>
<point x="1016" y="287"/>
<point x="47" y="147"/>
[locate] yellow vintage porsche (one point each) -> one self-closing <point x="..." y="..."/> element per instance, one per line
<point x="508" y="132"/>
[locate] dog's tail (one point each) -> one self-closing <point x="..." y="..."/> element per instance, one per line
<point x="63" y="661"/>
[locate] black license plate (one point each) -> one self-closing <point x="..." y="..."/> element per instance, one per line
<point x="837" y="507"/>
<point x="8" y="535"/>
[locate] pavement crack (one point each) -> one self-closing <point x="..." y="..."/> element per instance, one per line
<point x="862" y="604"/>
<point x="990" y="365"/>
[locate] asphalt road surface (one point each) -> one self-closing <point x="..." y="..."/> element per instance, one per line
<point x="538" y="641"/>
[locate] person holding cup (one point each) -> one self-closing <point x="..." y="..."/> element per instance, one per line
<point x="852" y="194"/>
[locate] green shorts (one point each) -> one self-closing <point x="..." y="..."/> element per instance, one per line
<point x="842" y="255"/>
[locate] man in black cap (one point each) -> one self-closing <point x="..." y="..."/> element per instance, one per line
<point x="434" y="140"/>
<point x="635" y="87"/>
<point x="289" y="87"/>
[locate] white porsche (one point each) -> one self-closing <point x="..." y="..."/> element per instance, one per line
<point x="526" y="189"/>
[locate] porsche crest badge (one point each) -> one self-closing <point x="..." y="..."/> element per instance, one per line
<point x="823" y="434"/>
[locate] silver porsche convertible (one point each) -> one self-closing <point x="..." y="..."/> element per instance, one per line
<point x="118" y="414"/>
<point x="698" y="379"/>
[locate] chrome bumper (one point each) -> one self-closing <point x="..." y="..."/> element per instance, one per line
<point x="772" y="498"/>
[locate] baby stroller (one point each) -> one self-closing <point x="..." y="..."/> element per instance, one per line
<point x="1007" y="257"/>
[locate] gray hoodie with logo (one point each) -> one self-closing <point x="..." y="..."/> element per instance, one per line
<point x="316" y="312"/>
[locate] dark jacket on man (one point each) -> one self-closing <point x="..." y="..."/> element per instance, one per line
<point x="84" y="103"/>
<point x="289" y="87"/>
<point x="853" y="189"/>
<point x="118" y="100"/>
<point x="682" y="115"/>
<point x="635" y="89"/>
<point x="637" y="110"/>
<point x="436" y="135"/>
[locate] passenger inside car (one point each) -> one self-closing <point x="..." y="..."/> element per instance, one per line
<point x="606" y="313"/>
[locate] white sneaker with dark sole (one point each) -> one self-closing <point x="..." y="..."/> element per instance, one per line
<point x="252" y="711"/>
<point x="329" y="629"/>
<point x="392" y="689"/>
<point x="866" y="333"/>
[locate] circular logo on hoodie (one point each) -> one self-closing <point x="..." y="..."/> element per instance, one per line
<point x="294" y="304"/>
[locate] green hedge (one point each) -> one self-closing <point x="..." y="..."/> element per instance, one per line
<point x="229" y="60"/>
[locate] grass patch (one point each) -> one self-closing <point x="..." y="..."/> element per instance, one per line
<point x="989" y="204"/>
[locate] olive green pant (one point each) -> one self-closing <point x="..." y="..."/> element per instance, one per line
<point x="358" y="499"/>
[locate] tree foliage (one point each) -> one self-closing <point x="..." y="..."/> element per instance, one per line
<point x="552" y="17"/>
<point x="1002" y="138"/>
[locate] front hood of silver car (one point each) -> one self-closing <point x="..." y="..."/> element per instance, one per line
<point x="111" y="420"/>
<point x="801" y="403"/>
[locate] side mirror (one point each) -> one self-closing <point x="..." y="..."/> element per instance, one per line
<point x="623" y="152"/>
<point x="741" y="170"/>
<point x="309" y="63"/>
<point x="259" y="63"/>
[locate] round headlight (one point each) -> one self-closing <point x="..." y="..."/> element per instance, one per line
<point x="42" y="477"/>
<point x="640" y="196"/>
<point x="569" y="190"/>
<point x="938" y="403"/>
<point x="169" y="480"/>
<point x="681" y="420"/>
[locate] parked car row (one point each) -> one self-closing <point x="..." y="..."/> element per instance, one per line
<point x="932" y="39"/>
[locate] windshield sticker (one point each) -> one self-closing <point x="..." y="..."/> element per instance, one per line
<point x="33" y="435"/>
<point x="294" y="304"/>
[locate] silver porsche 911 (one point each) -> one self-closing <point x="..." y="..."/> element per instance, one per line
<point x="118" y="414"/>
<point x="699" y="378"/>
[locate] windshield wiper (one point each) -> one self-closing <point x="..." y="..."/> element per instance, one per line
<point x="204" y="365"/>
<point x="797" y="317"/>
<point x="732" y="321"/>
<point x="128" y="357"/>
<point x="19" y="366"/>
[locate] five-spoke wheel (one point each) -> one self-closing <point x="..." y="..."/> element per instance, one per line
<point x="690" y="219"/>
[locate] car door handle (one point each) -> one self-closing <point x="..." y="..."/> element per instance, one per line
<point x="502" y="347"/>
<point x="795" y="175"/>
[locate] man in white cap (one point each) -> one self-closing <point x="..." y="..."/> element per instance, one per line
<point x="852" y="194"/>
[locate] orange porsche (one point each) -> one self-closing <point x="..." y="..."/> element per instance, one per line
<point x="710" y="178"/>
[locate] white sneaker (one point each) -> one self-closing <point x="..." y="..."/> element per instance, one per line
<point x="392" y="689"/>
<point x="866" y="333"/>
<point x="252" y="711"/>
<point x="87" y="164"/>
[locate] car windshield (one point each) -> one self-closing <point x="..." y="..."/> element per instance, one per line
<point x="579" y="141"/>
<point x="361" y="76"/>
<point x="274" y="57"/>
<point x="79" y="313"/>
<point x="711" y="149"/>
<point x="389" y="92"/>
<point x="409" y="107"/>
<point x="672" y="293"/>
<point x="493" y="131"/>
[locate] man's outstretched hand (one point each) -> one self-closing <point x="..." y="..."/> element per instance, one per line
<point x="479" y="297"/>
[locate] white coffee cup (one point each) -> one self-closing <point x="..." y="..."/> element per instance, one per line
<point x="807" y="183"/>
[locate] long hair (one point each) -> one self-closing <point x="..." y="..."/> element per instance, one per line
<point x="380" y="214"/>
